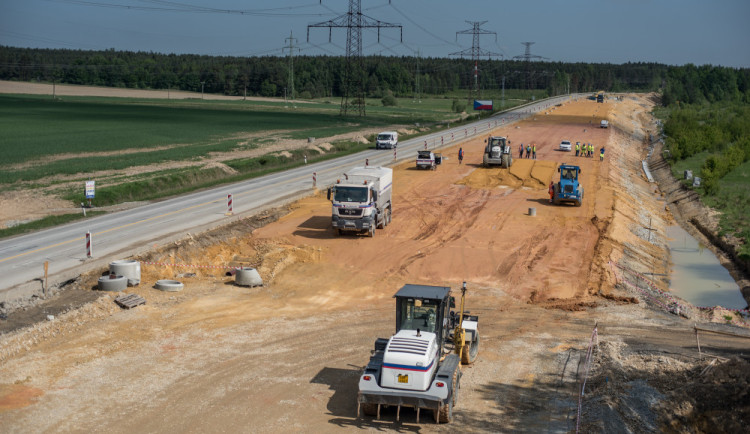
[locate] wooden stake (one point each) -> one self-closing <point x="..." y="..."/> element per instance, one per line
<point x="46" y="271"/>
<point x="698" y="341"/>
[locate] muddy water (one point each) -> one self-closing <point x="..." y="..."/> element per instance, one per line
<point x="697" y="276"/>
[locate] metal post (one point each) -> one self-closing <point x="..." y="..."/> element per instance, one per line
<point x="229" y="204"/>
<point x="89" y="247"/>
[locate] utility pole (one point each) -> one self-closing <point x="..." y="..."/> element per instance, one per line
<point x="502" y="101"/>
<point x="527" y="56"/>
<point x="353" y="85"/>
<point x="202" y="83"/>
<point x="417" y="90"/>
<point x="475" y="52"/>
<point x="290" y="85"/>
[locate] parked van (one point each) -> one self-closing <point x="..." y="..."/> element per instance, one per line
<point x="386" y="140"/>
<point x="604" y="124"/>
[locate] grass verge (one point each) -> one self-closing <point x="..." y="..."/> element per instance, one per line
<point x="46" y="222"/>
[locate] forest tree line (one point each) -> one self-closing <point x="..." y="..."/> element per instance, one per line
<point x="318" y="76"/>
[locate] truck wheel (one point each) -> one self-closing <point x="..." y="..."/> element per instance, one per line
<point x="504" y="160"/>
<point x="387" y="216"/>
<point x="371" y="232"/>
<point x="369" y="409"/>
<point x="340" y="232"/>
<point x="578" y="202"/>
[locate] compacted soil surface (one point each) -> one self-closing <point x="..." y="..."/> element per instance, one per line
<point x="551" y="291"/>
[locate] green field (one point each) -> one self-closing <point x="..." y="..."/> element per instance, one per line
<point x="35" y="127"/>
<point x="57" y="144"/>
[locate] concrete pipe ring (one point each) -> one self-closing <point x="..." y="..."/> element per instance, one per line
<point x="248" y="276"/>
<point x="113" y="283"/>
<point x="169" y="285"/>
<point x="129" y="268"/>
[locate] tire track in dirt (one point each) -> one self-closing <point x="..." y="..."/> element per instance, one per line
<point x="461" y="214"/>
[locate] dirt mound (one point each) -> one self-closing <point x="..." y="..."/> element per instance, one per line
<point x="360" y="139"/>
<point x="217" y="165"/>
<point x="535" y="174"/>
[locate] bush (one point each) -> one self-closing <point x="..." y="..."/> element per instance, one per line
<point x="458" y="106"/>
<point x="389" y="100"/>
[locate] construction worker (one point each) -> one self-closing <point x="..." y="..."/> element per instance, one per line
<point x="460" y="155"/>
<point x="533" y="150"/>
<point x="551" y="191"/>
<point x="528" y="151"/>
<point x="520" y="150"/>
<point x="591" y="150"/>
<point x="601" y="154"/>
<point x="578" y="147"/>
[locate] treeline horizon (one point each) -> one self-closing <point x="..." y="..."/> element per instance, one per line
<point x="318" y="76"/>
<point x="321" y="76"/>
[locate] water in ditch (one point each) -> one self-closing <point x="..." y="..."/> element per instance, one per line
<point x="697" y="276"/>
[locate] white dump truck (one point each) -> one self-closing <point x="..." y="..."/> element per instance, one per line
<point x="362" y="200"/>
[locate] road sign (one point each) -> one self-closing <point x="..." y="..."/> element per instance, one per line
<point x="90" y="187"/>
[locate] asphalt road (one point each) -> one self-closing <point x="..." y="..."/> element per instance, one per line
<point x="121" y="234"/>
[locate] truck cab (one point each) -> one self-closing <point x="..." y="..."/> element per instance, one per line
<point x="362" y="200"/>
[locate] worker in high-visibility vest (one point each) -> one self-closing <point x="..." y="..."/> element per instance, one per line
<point x="578" y="147"/>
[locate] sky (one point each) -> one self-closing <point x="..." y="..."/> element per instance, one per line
<point x="674" y="32"/>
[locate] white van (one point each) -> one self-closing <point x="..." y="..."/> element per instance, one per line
<point x="386" y="139"/>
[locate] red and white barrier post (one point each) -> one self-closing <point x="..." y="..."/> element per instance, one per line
<point x="441" y="140"/>
<point x="229" y="204"/>
<point x="89" y="247"/>
<point x="425" y="144"/>
<point x="394" y="153"/>
<point x="315" y="179"/>
<point x="367" y="162"/>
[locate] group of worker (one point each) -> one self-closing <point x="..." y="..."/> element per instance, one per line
<point x="584" y="150"/>
<point x="530" y="151"/>
<point x="587" y="150"/>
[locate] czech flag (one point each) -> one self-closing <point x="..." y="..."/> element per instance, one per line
<point x="482" y="104"/>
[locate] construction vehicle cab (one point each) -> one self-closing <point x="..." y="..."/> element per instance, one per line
<point x="497" y="152"/>
<point x="418" y="366"/>
<point x="568" y="189"/>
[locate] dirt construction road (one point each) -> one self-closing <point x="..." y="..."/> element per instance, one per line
<point x="287" y="356"/>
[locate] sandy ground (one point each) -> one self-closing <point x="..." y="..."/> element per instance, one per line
<point x="287" y="356"/>
<point x="23" y="87"/>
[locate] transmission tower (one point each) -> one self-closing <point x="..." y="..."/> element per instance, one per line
<point x="353" y="83"/>
<point x="290" y="85"/>
<point x="475" y="52"/>
<point x="526" y="57"/>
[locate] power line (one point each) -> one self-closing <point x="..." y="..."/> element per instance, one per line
<point x="167" y="6"/>
<point x="291" y="49"/>
<point x="353" y="81"/>
<point x="475" y="51"/>
<point x="526" y="57"/>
